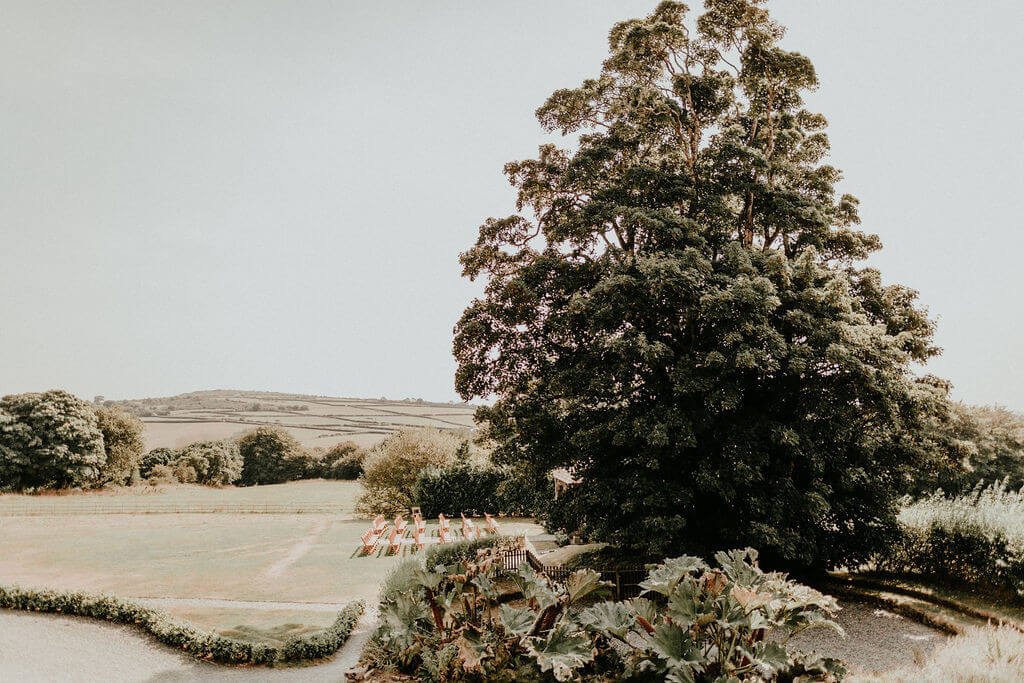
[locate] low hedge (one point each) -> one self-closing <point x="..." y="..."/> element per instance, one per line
<point x="181" y="634"/>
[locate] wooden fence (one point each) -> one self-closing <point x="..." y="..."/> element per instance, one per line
<point x="625" y="581"/>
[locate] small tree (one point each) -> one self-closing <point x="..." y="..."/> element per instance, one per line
<point x="215" y="462"/>
<point x="123" y="442"/>
<point x="270" y="455"/>
<point x="48" y="439"/>
<point x="391" y="469"/>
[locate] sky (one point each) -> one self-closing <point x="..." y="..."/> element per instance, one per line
<point x="273" y="195"/>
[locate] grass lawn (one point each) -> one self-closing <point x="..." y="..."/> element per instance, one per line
<point x="242" y="557"/>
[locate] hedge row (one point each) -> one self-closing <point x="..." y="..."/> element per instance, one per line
<point x="474" y="490"/>
<point x="181" y="634"/>
<point x="959" y="555"/>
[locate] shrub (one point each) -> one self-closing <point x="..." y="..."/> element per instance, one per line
<point x="181" y="634"/>
<point x="390" y="470"/>
<point x="462" y="487"/>
<point x="185" y="473"/>
<point x="464" y="551"/>
<point x="123" y="443"/>
<point x="400" y="578"/>
<point x="977" y="538"/>
<point x="162" y="474"/>
<point x="156" y="457"/>
<point x="49" y="440"/>
<point x="270" y="455"/>
<point x="215" y="463"/>
<point x="695" y="623"/>
<point x="343" y="461"/>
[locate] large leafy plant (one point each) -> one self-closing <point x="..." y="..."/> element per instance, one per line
<point x="692" y="623"/>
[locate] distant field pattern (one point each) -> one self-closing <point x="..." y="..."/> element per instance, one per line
<point x="314" y="420"/>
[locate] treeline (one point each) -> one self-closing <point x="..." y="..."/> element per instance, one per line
<point x="54" y="440"/>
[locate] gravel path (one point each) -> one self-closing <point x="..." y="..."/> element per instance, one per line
<point x="876" y="640"/>
<point x="48" y="647"/>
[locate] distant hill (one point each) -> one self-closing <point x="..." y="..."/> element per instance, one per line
<point x="314" y="420"/>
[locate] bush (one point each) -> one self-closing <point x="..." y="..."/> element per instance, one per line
<point x="391" y="469"/>
<point x="270" y="455"/>
<point x="464" y="551"/>
<point x="343" y="461"/>
<point x="695" y="623"/>
<point x="157" y="457"/>
<point x="162" y="474"/>
<point x="977" y="538"/>
<point x="459" y="488"/>
<point x="215" y="463"/>
<point x="181" y="634"/>
<point x="475" y="489"/>
<point x="123" y="443"/>
<point x="49" y="440"/>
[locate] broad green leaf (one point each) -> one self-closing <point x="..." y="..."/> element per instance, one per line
<point x="518" y="621"/>
<point x="585" y="583"/>
<point x="562" y="652"/>
<point x="613" y="618"/>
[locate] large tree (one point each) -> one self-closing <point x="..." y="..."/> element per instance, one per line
<point x="676" y="312"/>
<point x="48" y="440"/>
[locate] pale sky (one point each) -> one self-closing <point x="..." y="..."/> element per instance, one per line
<point x="273" y="195"/>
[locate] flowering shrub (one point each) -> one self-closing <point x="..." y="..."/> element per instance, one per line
<point x="693" y="623"/>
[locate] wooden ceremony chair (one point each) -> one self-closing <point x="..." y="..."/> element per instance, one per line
<point x="394" y="542"/>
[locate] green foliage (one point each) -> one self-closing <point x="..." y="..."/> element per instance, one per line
<point x="464" y="551"/>
<point x="698" y="624"/>
<point x="270" y="455"/>
<point x="474" y="489"/>
<point x="123" y="443"/>
<point x="675" y="313"/>
<point x="390" y="469"/>
<point x="977" y="538"/>
<point x="157" y="457"/>
<point x="48" y="440"/>
<point x="342" y="461"/>
<point x="459" y="488"/>
<point x="180" y="634"/>
<point x="215" y="463"/>
<point x="986" y="444"/>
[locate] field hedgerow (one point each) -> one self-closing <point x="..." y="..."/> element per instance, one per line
<point x="977" y="538"/>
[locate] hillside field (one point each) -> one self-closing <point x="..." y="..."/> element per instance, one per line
<point x="323" y="421"/>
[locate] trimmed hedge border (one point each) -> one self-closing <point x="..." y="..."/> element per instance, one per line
<point x="181" y="634"/>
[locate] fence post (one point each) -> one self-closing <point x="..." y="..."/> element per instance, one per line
<point x="618" y="586"/>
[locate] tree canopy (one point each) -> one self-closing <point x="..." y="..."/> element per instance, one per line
<point x="123" y="442"/>
<point x="48" y="440"/>
<point x="677" y="314"/>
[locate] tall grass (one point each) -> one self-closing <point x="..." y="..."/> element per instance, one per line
<point x="990" y="511"/>
<point x="983" y="653"/>
<point x="977" y="538"/>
